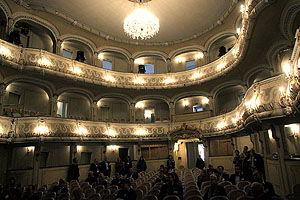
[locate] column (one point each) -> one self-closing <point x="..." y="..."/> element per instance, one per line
<point x="94" y="110"/>
<point x="171" y="110"/>
<point x="36" y="164"/>
<point x="132" y="112"/>
<point x="212" y="105"/>
<point x="53" y="102"/>
<point x="73" y="151"/>
<point x="2" y="95"/>
<point x="131" y="65"/>
<point x="206" y="57"/>
<point x="169" y="65"/>
<point x="10" y="26"/>
<point x="95" y="61"/>
<point x="58" y="47"/>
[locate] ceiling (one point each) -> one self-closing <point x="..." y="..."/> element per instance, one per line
<point x="179" y="19"/>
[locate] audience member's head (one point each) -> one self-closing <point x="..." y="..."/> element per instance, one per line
<point x="117" y="175"/>
<point x="237" y="152"/>
<point x="15" y="194"/>
<point x="119" y="159"/>
<point x="213" y="179"/>
<point x="105" y="158"/>
<point x="91" y="174"/>
<point x="96" y="161"/>
<point x="257" y="176"/>
<point x="220" y="169"/>
<point x="165" y="171"/>
<point x="125" y="184"/>
<point x="203" y="175"/>
<point x="210" y="166"/>
<point x="245" y="149"/>
<point x="252" y="152"/>
<point x="170" y="157"/>
<point x="161" y="167"/>
<point x="131" y="170"/>
<point x="75" y="161"/>
<point x="257" y="189"/>
<point x="237" y="169"/>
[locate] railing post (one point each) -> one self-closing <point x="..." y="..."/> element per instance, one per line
<point x="2" y="95"/>
<point x="132" y="112"/>
<point x="54" y="106"/>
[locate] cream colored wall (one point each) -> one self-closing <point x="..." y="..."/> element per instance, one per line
<point x="21" y="159"/>
<point x="161" y="109"/>
<point x="112" y="108"/>
<point x="160" y="66"/>
<point x="181" y="109"/>
<point x="240" y="142"/>
<point x="74" y="46"/>
<point x="182" y="154"/>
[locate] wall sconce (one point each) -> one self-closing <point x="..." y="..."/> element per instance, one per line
<point x="176" y="147"/>
<point x="242" y="9"/>
<point x="111" y="132"/>
<point x="270" y="133"/>
<point x="286" y="68"/>
<point x="200" y="55"/>
<point x="139" y="80"/>
<point x="78" y="148"/>
<point x="221" y="125"/>
<point x="100" y="56"/>
<point x="139" y="105"/>
<point x="180" y="60"/>
<point x="293" y="129"/>
<point x="139" y="61"/>
<point x="41" y="128"/>
<point x="76" y="70"/>
<point x="81" y="130"/>
<point x="112" y="148"/>
<point x="196" y="75"/>
<point x="235" y="51"/>
<point x="205" y="100"/>
<point x="1" y="130"/>
<point x="281" y="89"/>
<point x="5" y="52"/>
<point x="140" y="132"/>
<point x="185" y="103"/>
<point x="147" y="114"/>
<point x="221" y="66"/>
<point x="169" y="80"/>
<point x="44" y="62"/>
<point x="109" y="78"/>
<point x="30" y="149"/>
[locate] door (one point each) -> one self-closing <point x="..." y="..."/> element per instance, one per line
<point x="192" y="154"/>
<point x="123" y="153"/>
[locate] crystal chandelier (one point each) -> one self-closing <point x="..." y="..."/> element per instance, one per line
<point x="141" y="24"/>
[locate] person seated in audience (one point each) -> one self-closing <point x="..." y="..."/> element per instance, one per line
<point x="161" y="178"/>
<point x="91" y="178"/>
<point x="237" y="176"/>
<point x="14" y="194"/>
<point x="201" y="178"/>
<point x="61" y="187"/>
<point x="116" y="180"/>
<point x="268" y="187"/>
<point x="200" y="163"/>
<point x="257" y="191"/>
<point x="172" y="187"/>
<point x="102" y="180"/>
<point x="95" y="168"/>
<point x="161" y="168"/>
<point x="214" y="189"/>
<point x="221" y="175"/>
<point x="126" y="192"/>
<point x="132" y="174"/>
<point x="166" y="171"/>
<point x="170" y="163"/>
<point x="211" y="170"/>
<point x="29" y="192"/>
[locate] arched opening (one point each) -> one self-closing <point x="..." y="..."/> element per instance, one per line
<point x="77" y="50"/>
<point x="221" y="46"/>
<point x="26" y="99"/>
<point x="74" y="106"/>
<point x="114" y="61"/>
<point x="151" y="111"/>
<point x="187" y="61"/>
<point x="3" y="24"/>
<point x="192" y="104"/>
<point x="153" y="64"/>
<point x="113" y="110"/>
<point x="261" y="75"/>
<point x="33" y="35"/>
<point x="228" y="99"/>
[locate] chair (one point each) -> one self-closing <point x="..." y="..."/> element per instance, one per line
<point x="234" y="194"/>
<point x="94" y="185"/>
<point x="192" y="187"/>
<point x="113" y="188"/>
<point x="86" y="188"/>
<point x="104" y="193"/>
<point x="247" y="189"/>
<point x="144" y="189"/>
<point x="296" y="189"/>
<point x="148" y="185"/>
<point x="225" y="183"/>
<point x="99" y="188"/>
<point x="94" y="197"/>
<point x="229" y="188"/>
<point x="65" y="195"/>
<point x="171" y="197"/>
<point x="242" y="184"/>
<point x="83" y="184"/>
<point x="219" y="198"/>
<point x="191" y="193"/>
<point x="245" y="198"/>
<point x="89" y="193"/>
<point x="139" y="194"/>
<point x="194" y="197"/>
<point x="150" y="197"/>
<point x="154" y="192"/>
<point x="205" y="183"/>
<point x="205" y="189"/>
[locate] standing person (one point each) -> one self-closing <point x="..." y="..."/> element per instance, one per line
<point x="141" y="165"/>
<point x="244" y="155"/>
<point x="128" y="165"/>
<point x="237" y="159"/>
<point x="256" y="161"/>
<point x="221" y="175"/>
<point x="237" y="176"/>
<point x="200" y="163"/>
<point x="95" y="168"/>
<point x="170" y="163"/>
<point x="105" y="167"/>
<point x="119" y="166"/>
<point x="211" y="170"/>
<point x="73" y="172"/>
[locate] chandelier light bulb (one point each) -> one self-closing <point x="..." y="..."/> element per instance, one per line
<point x="141" y="24"/>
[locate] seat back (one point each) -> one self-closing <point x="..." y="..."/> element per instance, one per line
<point x="242" y="184"/>
<point x="234" y="194"/>
<point x="193" y="197"/>
<point x="219" y="198"/>
<point x="229" y="188"/>
<point x="224" y="183"/>
<point x="171" y="197"/>
<point x="150" y="197"/>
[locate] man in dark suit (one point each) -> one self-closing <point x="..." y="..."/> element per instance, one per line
<point x="95" y="168"/>
<point x="215" y="189"/>
<point x="237" y="176"/>
<point x="105" y="167"/>
<point x="117" y="180"/>
<point x="211" y="170"/>
<point x="73" y="172"/>
<point x="255" y="161"/>
<point x="221" y="175"/>
<point x="200" y="163"/>
<point x="268" y="187"/>
<point x="126" y="193"/>
<point x="132" y="174"/>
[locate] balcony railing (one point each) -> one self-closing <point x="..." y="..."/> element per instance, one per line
<point x="45" y="62"/>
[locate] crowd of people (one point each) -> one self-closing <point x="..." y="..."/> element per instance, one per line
<point x="248" y="166"/>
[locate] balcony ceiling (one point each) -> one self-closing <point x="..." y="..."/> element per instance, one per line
<point x="178" y="19"/>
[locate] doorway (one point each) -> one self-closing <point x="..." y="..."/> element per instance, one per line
<point x="123" y="153"/>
